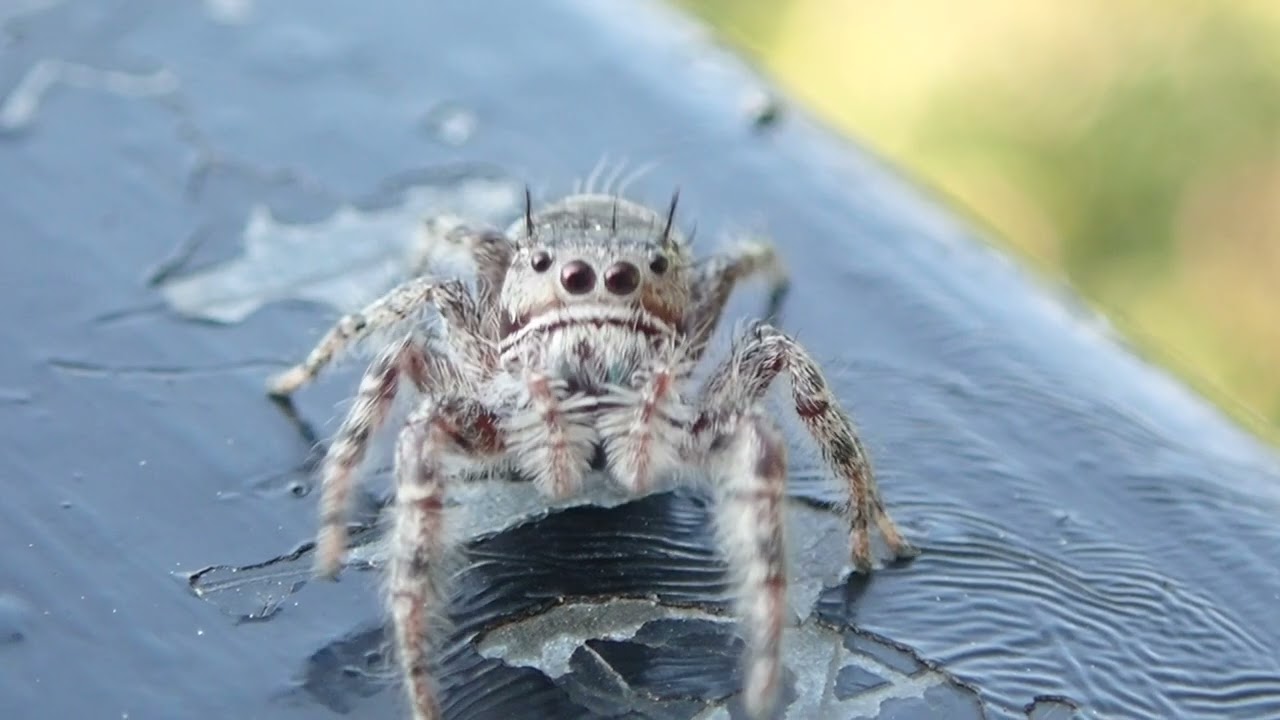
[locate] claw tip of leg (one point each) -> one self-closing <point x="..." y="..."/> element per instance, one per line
<point x="327" y="569"/>
<point x="282" y="385"/>
<point x="906" y="552"/>
<point x="760" y="697"/>
<point x="330" y="553"/>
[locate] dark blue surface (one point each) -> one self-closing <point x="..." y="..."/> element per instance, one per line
<point x="1091" y="530"/>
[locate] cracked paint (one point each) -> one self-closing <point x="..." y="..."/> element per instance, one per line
<point x="159" y="372"/>
<point x="547" y="641"/>
<point x="814" y="653"/>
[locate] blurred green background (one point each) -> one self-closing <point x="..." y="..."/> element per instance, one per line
<point x="1131" y="146"/>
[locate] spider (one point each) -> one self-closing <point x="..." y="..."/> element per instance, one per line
<point x="575" y="346"/>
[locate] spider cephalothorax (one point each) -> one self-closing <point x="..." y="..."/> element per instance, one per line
<point x="578" y="343"/>
<point x="595" y="283"/>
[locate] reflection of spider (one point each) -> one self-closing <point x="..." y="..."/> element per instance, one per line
<point x="587" y="319"/>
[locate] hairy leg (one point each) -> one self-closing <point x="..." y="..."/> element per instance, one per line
<point x="748" y="468"/>
<point x="398" y="308"/>
<point x="404" y="360"/>
<point x="549" y="436"/>
<point x="489" y="250"/>
<point x="717" y="277"/>
<point x="753" y="365"/>
<point x="439" y="443"/>
<point x="642" y="427"/>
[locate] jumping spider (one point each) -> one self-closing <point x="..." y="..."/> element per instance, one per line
<point x="587" y="320"/>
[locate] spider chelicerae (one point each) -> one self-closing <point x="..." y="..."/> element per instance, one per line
<point x="577" y="341"/>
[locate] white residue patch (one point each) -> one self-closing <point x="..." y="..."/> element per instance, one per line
<point x="344" y="261"/>
<point x="20" y="106"/>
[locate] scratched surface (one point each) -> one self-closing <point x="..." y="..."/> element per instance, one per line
<point x="192" y="190"/>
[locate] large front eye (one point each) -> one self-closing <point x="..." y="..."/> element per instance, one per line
<point x="658" y="264"/>
<point x="541" y="261"/>
<point x="622" y="278"/>
<point x="578" y="278"/>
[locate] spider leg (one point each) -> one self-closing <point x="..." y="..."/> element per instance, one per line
<point x="748" y="468"/>
<point x="378" y="388"/>
<point x="642" y="427"/>
<point x="490" y="252"/>
<point x="440" y="443"/>
<point x="753" y="365"/>
<point x="715" y="281"/>
<point x="403" y="304"/>
<point x="549" y="436"/>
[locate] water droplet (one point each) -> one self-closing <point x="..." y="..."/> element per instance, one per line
<point x="14" y="615"/>
<point x="763" y="109"/>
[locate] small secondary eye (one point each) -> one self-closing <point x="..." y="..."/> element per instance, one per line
<point x="659" y="264"/>
<point x="541" y="261"/>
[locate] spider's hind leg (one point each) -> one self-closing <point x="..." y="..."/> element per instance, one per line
<point x="395" y="311"/>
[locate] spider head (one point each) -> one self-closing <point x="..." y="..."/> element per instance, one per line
<point x="592" y="256"/>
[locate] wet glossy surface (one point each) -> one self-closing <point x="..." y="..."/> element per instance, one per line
<point x="1097" y="541"/>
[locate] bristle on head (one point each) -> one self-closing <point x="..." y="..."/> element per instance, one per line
<point x="528" y="212"/>
<point x="671" y="216"/>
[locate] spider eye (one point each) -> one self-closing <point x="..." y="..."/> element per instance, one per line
<point x="659" y="264"/>
<point x="541" y="261"/>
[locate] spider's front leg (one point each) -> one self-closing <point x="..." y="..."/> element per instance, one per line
<point x="378" y="387"/>
<point x="441" y="442"/>
<point x="401" y="306"/>
<point x="753" y="365"/>
<point x="429" y="371"/>
<point x="747" y="465"/>
<point x="488" y="249"/>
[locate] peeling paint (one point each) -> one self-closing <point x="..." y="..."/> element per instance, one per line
<point x="344" y="261"/>
<point x="545" y="642"/>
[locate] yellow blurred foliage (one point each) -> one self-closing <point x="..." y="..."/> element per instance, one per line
<point x="1132" y="146"/>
